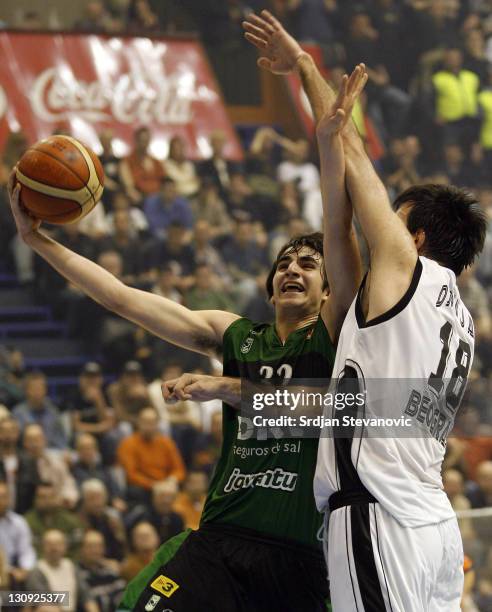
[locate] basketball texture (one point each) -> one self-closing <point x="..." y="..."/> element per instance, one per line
<point x="62" y="180"/>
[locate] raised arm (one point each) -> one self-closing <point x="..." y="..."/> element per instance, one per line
<point x="281" y="54"/>
<point x="337" y="213"/>
<point x="199" y="331"/>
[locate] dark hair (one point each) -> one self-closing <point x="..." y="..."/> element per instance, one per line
<point x="34" y="375"/>
<point x="453" y="222"/>
<point x="313" y="241"/>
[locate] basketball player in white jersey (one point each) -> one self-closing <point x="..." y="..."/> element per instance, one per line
<point x="393" y="539"/>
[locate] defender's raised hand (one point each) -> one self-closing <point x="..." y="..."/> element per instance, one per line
<point x="25" y="223"/>
<point x="280" y="52"/>
<point x="350" y="89"/>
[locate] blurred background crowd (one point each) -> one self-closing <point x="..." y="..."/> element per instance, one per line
<point x="80" y="499"/>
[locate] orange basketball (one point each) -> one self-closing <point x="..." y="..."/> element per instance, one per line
<point x="62" y="179"/>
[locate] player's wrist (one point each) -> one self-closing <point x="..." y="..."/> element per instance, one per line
<point x="302" y="61"/>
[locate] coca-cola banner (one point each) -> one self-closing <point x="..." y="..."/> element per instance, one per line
<point x="84" y="84"/>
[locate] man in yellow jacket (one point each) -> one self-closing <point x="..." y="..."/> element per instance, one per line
<point x="456" y="100"/>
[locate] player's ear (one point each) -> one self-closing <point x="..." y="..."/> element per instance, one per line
<point x="419" y="239"/>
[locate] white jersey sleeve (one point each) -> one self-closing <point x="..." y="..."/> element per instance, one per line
<point x="428" y="337"/>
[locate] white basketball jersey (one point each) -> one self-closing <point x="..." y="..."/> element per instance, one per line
<point x="429" y="337"/>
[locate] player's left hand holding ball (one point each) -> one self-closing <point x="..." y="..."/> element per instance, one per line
<point x="25" y="222"/>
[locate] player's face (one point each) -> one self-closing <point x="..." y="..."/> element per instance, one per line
<point x="298" y="280"/>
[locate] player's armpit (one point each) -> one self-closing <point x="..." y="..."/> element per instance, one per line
<point x="196" y="330"/>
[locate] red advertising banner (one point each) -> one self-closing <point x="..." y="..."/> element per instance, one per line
<point x="85" y="83"/>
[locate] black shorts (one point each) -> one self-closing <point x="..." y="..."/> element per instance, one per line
<point x="221" y="568"/>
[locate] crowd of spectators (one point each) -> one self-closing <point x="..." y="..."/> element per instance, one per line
<point x="86" y="501"/>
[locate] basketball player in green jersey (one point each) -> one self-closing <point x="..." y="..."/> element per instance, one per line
<point x="258" y="545"/>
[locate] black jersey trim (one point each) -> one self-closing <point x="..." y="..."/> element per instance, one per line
<point x="365" y="564"/>
<point x="380" y="557"/>
<point x="394" y="310"/>
<point x="348" y="558"/>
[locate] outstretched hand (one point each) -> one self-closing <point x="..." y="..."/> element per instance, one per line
<point x="280" y="51"/>
<point x="25" y="223"/>
<point x="336" y="119"/>
<point x="195" y="387"/>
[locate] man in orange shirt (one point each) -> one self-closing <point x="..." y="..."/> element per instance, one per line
<point x="140" y="173"/>
<point x="148" y="457"/>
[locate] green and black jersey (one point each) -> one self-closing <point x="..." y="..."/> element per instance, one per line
<point x="279" y="502"/>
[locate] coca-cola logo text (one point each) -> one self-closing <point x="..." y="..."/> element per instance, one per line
<point x="126" y="99"/>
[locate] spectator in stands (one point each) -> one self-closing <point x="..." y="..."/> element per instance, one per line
<point x="297" y="168"/>
<point x="205" y="253"/>
<point x="9" y="436"/>
<point x="94" y="224"/>
<point x="295" y="226"/>
<point x="15" y="540"/>
<point x="454" y="486"/>
<point x="404" y="176"/>
<point x="180" y="169"/>
<point x="96" y="19"/>
<point x="50" y="464"/>
<point x="4" y="571"/>
<point x="363" y="41"/>
<point x="56" y="572"/>
<point x="12" y="373"/>
<point x="167" y="282"/>
<point x="142" y="19"/>
<point x="208" y="206"/>
<point x="313" y="21"/>
<point x="138" y="220"/>
<point x="207" y="451"/>
<point x="475" y="297"/>
<point x="15" y="146"/>
<point x="462" y="172"/>
<point x="110" y="164"/>
<point x="474" y="57"/>
<point x="245" y="260"/>
<point x="95" y="513"/>
<point x="140" y="173"/>
<point x="189" y="503"/>
<point x="9" y="240"/>
<point x="89" y="466"/>
<point x="241" y="199"/>
<point x="485" y="104"/>
<point x="148" y="457"/>
<point x="160" y="514"/>
<point x="456" y="100"/>
<point x="388" y="19"/>
<point x="480" y="492"/>
<point x="87" y="403"/>
<point x="144" y="543"/>
<point x="48" y="513"/>
<point x="436" y="26"/>
<point x="124" y="242"/>
<point x="100" y="574"/>
<point x="218" y="168"/>
<point x="128" y="395"/>
<point x="175" y="249"/>
<point x="167" y="207"/>
<point x="207" y="294"/>
<point x="39" y="409"/>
